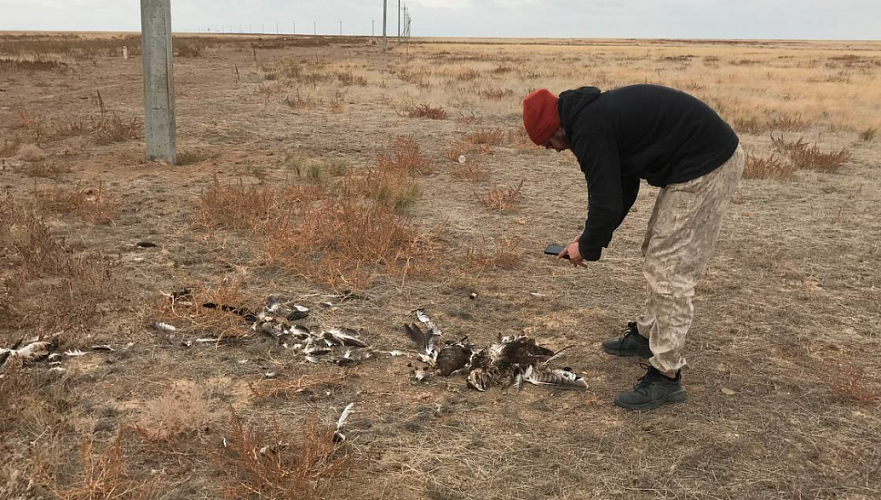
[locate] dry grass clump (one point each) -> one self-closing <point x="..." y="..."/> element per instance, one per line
<point x="470" y="171"/>
<point x="407" y="157"/>
<point x="279" y="465"/>
<point x="188" y="47"/>
<point x="427" y="111"/>
<point x="501" y="199"/>
<point x="390" y="187"/>
<point x="806" y="156"/>
<point x="772" y="167"/>
<point x="10" y="147"/>
<point x="503" y="253"/>
<point x="106" y="128"/>
<point x="235" y="205"/>
<point x="866" y="135"/>
<point x="101" y="473"/>
<point x="495" y="93"/>
<point x="95" y="206"/>
<point x="113" y="128"/>
<point x="49" y="287"/>
<point x="851" y="385"/>
<point x="491" y="137"/>
<point x="344" y="242"/>
<point x="44" y="169"/>
<point x="348" y="79"/>
<point x="182" y="410"/>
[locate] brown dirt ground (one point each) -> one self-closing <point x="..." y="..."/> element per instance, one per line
<point x="788" y="309"/>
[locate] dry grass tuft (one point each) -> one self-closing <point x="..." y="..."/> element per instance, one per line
<point x="767" y="168"/>
<point x="279" y="465"/>
<point x="238" y="206"/>
<point x="117" y="129"/>
<point x="503" y="253"/>
<point x="491" y="137"/>
<point x="102" y="474"/>
<point x="866" y="135"/>
<point x="501" y="199"/>
<point x="44" y="169"/>
<point x="96" y="206"/>
<point x="49" y="286"/>
<point x="852" y="385"/>
<point x="806" y="156"/>
<point x="179" y="411"/>
<point x="427" y="111"/>
<point x="471" y="171"/>
<point x="343" y="243"/>
<point x="406" y="157"/>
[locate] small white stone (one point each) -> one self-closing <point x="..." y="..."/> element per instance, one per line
<point x="462" y="158"/>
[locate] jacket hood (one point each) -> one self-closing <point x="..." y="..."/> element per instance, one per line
<point x="573" y="102"/>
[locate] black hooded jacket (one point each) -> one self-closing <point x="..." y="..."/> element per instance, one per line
<point x="638" y="132"/>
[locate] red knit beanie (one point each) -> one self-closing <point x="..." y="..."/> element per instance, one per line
<point x="540" y="115"/>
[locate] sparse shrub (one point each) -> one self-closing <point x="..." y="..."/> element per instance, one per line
<point x="494" y="93"/>
<point x="851" y="385"/>
<point x="767" y="168"/>
<point x="347" y="78"/>
<point x="470" y="171"/>
<point x="184" y="47"/>
<point x="238" y="206"/>
<point x="806" y="156"/>
<point x="492" y="137"/>
<point x="407" y="157"/>
<point x="501" y="69"/>
<point x="116" y="129"/>
<point x="392" y="188"/>
<point x="96" y="206"/>
<point x="750" y="125"/>
<point x="342" y="242"/>
<point x="44" y="169"/>
<point x="468" y="75"/>
<point x="181" y="410"/>
<point x="866" y="135"/>
<point x="787" y="123"/>
<point x="31" y="152"/>
<point x="9" y="147"/>
<point x="190" y="157"/>
<point x="279" y="465"/>
<point x="300" y="102"/>
<point x="49" y="286"/>
<point x="100" y="474"/>
<point x="501" y="198"/>
<point x="427" y="111"/>
<point x="502" y="253"/>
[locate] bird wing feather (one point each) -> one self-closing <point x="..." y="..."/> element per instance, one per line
<point x="344" y="415"/>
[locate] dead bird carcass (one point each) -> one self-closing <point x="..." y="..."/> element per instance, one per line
<point x="512" y="360"/>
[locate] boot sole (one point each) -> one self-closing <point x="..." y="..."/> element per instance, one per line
<point x="626" y="354"/>
<point x="674" y="397"/>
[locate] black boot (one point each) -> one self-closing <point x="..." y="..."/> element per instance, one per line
<point x="631" y="344"/>
<point x="651" y="391"/>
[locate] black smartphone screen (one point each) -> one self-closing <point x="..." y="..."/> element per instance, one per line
<point x="555" y="250"/>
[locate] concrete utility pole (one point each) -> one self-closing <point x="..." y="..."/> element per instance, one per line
<point x="384" y="38"/>
<point x="159" y="121"/>
<point x="372" y="27"/>
<point x="399" y="20"/>
<point x="341" y="27"/>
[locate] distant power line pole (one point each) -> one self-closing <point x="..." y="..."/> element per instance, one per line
<point x="399" y="20"/>
<point x="341" y="27"/>
<point x="384" y="38"/>
<point x="373" y="27"/>
<point x="314" y="28"/>
<point x="295" y="27"/>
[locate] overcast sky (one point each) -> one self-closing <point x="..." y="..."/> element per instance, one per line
<point x="803" y="19"/>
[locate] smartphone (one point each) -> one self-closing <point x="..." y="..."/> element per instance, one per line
<point x="555" y="250"/>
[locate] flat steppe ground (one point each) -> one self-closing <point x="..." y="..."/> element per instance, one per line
<point x="312" y="168"/>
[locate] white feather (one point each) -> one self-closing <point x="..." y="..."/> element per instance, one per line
<point x="344" y="415"/>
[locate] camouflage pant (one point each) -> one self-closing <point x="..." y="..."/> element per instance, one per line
<point x="678" y="245"/>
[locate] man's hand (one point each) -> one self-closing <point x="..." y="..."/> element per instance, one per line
<point x="573" y="253"/>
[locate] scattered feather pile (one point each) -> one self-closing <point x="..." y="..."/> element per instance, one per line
<point x="41" y="350"/>
<point x="510" y="361"/>
<point x="343" y="346"/>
